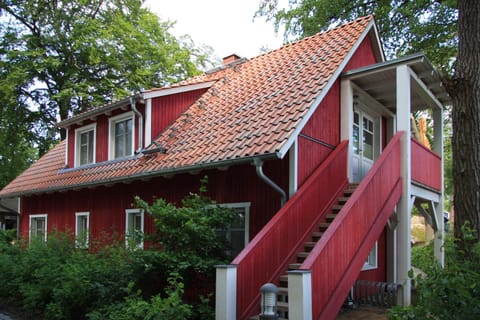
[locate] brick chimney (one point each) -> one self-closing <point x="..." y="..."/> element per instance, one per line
<point x="231" y="58"/>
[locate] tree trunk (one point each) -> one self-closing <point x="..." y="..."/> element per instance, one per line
<point x="465" y="93"/>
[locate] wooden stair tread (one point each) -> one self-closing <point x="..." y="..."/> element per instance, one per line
<point x="294" y="266"/>
<point x="331" y="216"/>
<point x="302" y="254"/>
<point x="317" y="234"/>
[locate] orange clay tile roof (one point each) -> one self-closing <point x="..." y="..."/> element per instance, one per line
<point x="254" y="109"/>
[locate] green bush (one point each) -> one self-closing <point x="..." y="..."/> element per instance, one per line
<point x="135" y="307"/>
<point x="54" y="280"/>
<point x="452" y="292"/>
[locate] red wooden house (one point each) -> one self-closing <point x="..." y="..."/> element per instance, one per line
<point x="311" y="143"/>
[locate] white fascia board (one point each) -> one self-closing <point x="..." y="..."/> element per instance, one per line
<point x="169" y="91"/>
<point x="425" y="89"/>
<point x="336" y="75"/>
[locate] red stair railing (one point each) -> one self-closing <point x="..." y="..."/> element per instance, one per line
<point x="270" y="251"/>
<point x="339" y="255"/>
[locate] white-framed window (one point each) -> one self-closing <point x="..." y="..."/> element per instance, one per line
<point x="121" y="133"/>
<point x="237" y="233"/>
<point x="372" y="259"/>
<point x="82" y="229"/>
<point x="134" y="228"/>
<point x="38" y="227"/>
<point x="85" y="145"/>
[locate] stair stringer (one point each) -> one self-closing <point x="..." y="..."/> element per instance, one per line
<point x="337" y="298"/>
<point x="258" y="263"/>
<point x="337" y="258"/>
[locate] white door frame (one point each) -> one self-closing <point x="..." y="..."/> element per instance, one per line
<point x="360" y="162"/>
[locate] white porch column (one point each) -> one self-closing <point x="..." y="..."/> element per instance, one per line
<point x="346" y="118"/>
<point x="226" y="292"/>
<point x="300" y="295"/>
<point x="404" y="206"/>
<point x="438" y="149"/>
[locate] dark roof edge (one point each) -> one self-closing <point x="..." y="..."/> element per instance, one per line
<point x="146" y="175"/>
<point x="96" y="111"/>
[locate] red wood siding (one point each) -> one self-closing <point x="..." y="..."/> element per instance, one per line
<point x="337" y="258"/>
<point x="71" y="147"/>
<point x="426" y="166"/>
<point x="102" y="135"/>
<point x="268" y="254"/>
<point x="322" y="127"/>
<point x="107" y="205"/>
<point x="379" y="273"/>
<point x="364" y="56"/>
<point x="167" y="108"/>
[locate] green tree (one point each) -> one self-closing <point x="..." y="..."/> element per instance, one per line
<point x="67" y="56"/>
<point x="447" y="31"/>
<point x="16" y="145"/>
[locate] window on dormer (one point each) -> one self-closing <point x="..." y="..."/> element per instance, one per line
<point x="85" y="145"/>
<point x="121" y="136"/>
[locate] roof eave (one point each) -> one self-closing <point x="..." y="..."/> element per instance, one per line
<point x="148" y="175"/>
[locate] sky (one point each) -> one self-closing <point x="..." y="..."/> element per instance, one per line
<point x="225" y="25"/>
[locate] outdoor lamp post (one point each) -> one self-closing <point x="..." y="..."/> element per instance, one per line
<point x="268" y="304"/>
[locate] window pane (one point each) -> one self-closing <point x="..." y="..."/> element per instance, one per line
<point x="123" y="138"/>
<point x="86" y="147"/>
<point x="134" y="233"/>
<point x="368" y="145"/>
<point x="90" y="146"/>
<point x="128" y="138"/>
<point x="82" y="231"/>
<point x="38" y="228"/>
<point x="356" y="139"/>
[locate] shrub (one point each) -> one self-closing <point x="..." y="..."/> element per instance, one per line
<point x="452" y="292"/>
<point x="157" y="308"/>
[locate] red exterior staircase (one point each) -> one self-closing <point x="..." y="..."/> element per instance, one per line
<point x="308" y="247"/>
<point x="332" y="239"/>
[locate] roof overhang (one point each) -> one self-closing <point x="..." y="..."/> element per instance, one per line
<point x="154" y="93"/>
<point x="379" y="81"/>
<point x="221" y="165"/>
<point x="9" y="206"/>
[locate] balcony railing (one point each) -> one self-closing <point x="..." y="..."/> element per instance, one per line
<point x="426" y="167"/>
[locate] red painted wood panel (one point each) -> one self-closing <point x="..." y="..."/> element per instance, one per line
<point x="380" y="273"/>
<point x="426" y="166"/>
<point x="311" y="156"/>
<point x="167" y="108"/>
<point x="337" y="258"/>
<point x="107" y="205"/>
<point x="102" y="134"/>
<point x="71" y="147"/>
<point x="268" y="254"/>
<point x="364" y="56"/>
<point x="324" y="124"/>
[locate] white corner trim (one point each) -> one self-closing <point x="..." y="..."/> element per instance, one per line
<point x="148" y="122"/>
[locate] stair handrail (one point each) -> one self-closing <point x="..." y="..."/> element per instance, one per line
<point x="375" y="197"/>
<point x="264" y="259"/>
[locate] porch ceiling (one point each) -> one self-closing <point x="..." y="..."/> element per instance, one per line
<point x="379" y="80"/>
